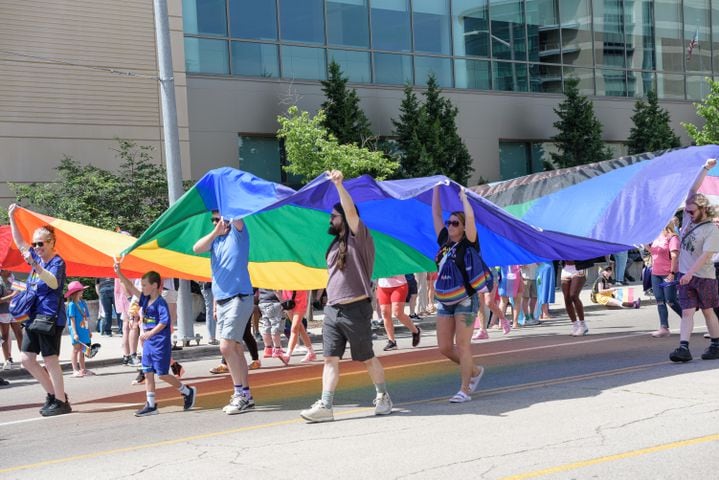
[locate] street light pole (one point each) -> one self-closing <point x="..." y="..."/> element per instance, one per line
<point x="185" y="323"/>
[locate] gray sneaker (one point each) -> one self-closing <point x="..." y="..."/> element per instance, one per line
<point x="318" y="413"/>
<point x="238" y="404"/>
<point x="382" y="404"/>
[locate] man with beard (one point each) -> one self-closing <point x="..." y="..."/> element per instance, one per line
<point x="699" y="240"/>
<point x="350" y="260"/>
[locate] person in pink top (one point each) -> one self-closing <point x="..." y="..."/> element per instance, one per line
<point x="665" y="265"/>
<point x="391" y="296"/>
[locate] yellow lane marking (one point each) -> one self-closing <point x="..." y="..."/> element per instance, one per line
<point x="618" y="456"/>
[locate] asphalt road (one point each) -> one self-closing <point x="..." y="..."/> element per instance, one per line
<point x="608" y="405"/>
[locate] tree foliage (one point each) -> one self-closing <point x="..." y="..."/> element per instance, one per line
<point x="579" y="137"/>
<point x="427" y="136"/>
<point x="344" y="117"/>
<point x="708" y="109"/>
<point x="651" y="130"/>
<point x="130" y="199"/>
<point x="311" y="149"/>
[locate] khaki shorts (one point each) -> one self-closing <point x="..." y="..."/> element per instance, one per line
<point x="530" y="289"/>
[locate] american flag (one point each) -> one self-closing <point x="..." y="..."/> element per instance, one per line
<point x="693" y="43"/>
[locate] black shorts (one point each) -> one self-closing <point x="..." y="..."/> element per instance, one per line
<point x="46" y="345"/>
<point x="349" y="322"/>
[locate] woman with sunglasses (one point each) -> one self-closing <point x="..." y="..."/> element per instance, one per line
<point x="699" y="241"/>
<point x="48" y="279"/>
<point x="455" y="322"/>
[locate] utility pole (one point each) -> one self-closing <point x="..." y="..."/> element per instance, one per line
<point x="185" y="322"/>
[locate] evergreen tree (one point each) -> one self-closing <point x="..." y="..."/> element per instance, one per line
<point x="427" y="136"/>
<point x="579" y="139"/>
<point x="651" y="130"/>
<point x="343" y="116"/>
<point x="708" y="109"/>
<point x="409" y="131"/>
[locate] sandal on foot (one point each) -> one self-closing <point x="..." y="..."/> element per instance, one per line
<point x="460" y="397"/>
<point x="474" y="381"/>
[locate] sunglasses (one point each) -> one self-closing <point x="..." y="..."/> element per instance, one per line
<point x="335" y="215"/>
<point x="38" y="244"/>
<point x="453" y="223"/>
<point x="691" y="212"/>
<point x="215" y="219"/>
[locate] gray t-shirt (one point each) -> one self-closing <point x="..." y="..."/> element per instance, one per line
<point x="354" y="280"/>
<point x="704" y="238"/>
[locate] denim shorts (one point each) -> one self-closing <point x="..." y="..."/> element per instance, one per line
<point x="469" y="306"/>
<point x="233" y="315"/>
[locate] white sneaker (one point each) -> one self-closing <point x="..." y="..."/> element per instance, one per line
<point x="382" y="404"/>
<point x="238" y="404"/>
<point x="8" y="365"/>
<point x="575" y="329"/>
<point x="581" y="330"/>
<point x="318" y="413"/>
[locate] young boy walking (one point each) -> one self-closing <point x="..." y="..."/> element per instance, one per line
<point x="157" y="344"/>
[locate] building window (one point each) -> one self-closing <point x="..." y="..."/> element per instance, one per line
<point x="204" y="17"/>
<point x="303" y="63"/>
<point x="392" y="69"/>
<point x="355" y="65"/>
<point x="441" y="68"/>
<point x="517" y="159"/>
<point x="615" y="47"/>
<point x="252" y="19"/>
<point x="261" y="156"/>
<point x="255" y="59"/>
<point x="390" y="25"/>
<point x="470" y="22"/>
<point x="302" y="21"/>
<point x="431" y="26"/>
<point x="204" y="55"/>
<point x="347" y="23"/>
<point x="472" y="74"/>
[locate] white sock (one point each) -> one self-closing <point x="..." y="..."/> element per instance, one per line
<point x="184" y="389"/>
<point x="151" y="399"/>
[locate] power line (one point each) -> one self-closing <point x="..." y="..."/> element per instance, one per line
<point x="113" y="71"/>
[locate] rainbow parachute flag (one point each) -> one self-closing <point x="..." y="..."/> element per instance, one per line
<point x="627" y="201"/>
<point x="288" y="229"/>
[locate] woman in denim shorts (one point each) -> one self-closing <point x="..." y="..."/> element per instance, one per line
<point x="455" y="322"/>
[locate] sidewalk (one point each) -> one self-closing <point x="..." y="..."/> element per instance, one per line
<point x="111" y="351"/>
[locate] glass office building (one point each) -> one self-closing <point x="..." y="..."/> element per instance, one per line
<point x="616" y="48"/>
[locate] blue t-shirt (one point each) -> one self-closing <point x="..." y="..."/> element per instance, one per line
<point x="80" y="313"/>
<point x="49" y="300"/>
<point x="154" y="314"/>
<point x="229" y="258"/>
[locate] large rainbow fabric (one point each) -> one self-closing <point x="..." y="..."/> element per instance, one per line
<point x="288" y="229"/>
<point x="626" y="201"/>
<point x="87" y="251"/>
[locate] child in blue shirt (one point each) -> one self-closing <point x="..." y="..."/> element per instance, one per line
<point x="156" y="338"/>
<point x="77" y="316"/>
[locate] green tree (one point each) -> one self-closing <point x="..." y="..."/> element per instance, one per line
<point x="311" y="149"/>
<point x="579" y="137"/>
<point x="130" y="199"/>
<point x="708" y="109"/>
<point x="344" y="117"/>
<point x="427" y="136"/>
<point x="651" y="131"/>
<point x="411" y="151"/>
